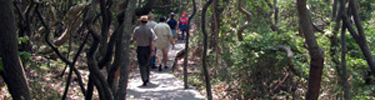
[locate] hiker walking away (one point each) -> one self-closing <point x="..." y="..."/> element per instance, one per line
<point x="183" y="25"/>
<point x="173" y="25"/>
<point x="164" y="34"/>
<point x="144" y="38"/>
<point x="151" y="24"/>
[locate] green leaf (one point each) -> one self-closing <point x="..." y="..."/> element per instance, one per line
<point x="24" y="56"/>
<point x="23" y="39"/>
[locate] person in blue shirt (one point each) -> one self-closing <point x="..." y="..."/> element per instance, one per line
<point x="173" y="25"/>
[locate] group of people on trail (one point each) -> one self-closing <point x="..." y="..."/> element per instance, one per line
<point x="153" y="41"/>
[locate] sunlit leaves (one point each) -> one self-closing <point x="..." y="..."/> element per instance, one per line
<point x="23" y="39"/>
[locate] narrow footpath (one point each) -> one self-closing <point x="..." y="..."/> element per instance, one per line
<point x="163" y="84"/>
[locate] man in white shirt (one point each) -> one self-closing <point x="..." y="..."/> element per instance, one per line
<point x="164" y="34"/>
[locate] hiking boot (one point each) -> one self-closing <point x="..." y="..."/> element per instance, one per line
<point x="144" y="84"/>
<point x="153" y="67"/>
<point x="160" y="67"/>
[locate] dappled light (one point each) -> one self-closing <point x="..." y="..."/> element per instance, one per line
<point x="187" y="50"/>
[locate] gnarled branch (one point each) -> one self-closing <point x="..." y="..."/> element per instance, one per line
<point x="204" y="56"/>
<point x="249" y="18"/>
<point x="187" y="45"/>
<point x="67" y="61"/>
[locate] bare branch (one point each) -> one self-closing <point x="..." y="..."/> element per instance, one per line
<point x="279" y="83"/>
<point x="47" y="37"/>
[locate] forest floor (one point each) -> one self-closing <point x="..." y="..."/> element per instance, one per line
<point x="45" y="82"/>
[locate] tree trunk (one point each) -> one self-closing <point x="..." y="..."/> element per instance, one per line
<point x="215" y="27"/>
<point x="360" y="37"/>
<point x="334" y="9"/>
<point x="344" y="77"/>
<point x="336" y="17"/>
<point x="187" y="46"/>
<point x="97" y="77"/>
<point x="204" y="56"/>
<point x="125" y="42"/>
<point x="316" y="54"/>
<point x="106" y="23"/>
<point x="13" y="72"/>
<point x="343" y="72"/>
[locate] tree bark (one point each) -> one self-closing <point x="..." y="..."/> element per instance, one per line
<point x="187" y="45"/>
<point x="24" y="27"/>
<point x="336" y="17"/>
<point x="13" y="73"/>
<point x="344" y="77"/>
<point x="204" y="56"/>
<point x="343" y="73"/>
<point x="316" y="54"/>
<point x="106" y="23"/>
<point x="360" y="38"/>
<point x="125" y="42"/>
<point x="94" y="69"/>
<point x="334" y="9"/>
<point x="215" y="30"/>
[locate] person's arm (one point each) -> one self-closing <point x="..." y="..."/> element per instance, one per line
<point x="134" y="40"/>
<point x="152" y="48"/>
<point x="170" y="35"/>
<point x="177" y="28"/>
<point x="153" y="38"/>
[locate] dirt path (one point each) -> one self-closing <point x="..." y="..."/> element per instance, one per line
<point x="163" y="85"/>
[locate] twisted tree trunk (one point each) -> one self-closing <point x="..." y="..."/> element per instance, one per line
<point x="360" y="37"/>
<point x="187" y="46"/>
<point x="125" y="42"/>
<point x="204" y="56"/>
<point x="316" y="54"/>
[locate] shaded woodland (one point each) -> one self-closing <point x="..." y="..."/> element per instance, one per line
<point x="236" y="49"/>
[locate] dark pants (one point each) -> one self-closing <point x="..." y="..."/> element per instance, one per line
<point x="183" y="29"/>
<point x="153" y="59"/>
<point x="143" y="55"/>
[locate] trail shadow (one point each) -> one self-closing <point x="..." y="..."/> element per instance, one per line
<point x="163" y="84"/>
<point x="148" y="86"/>
<point x="179" y="94"/>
